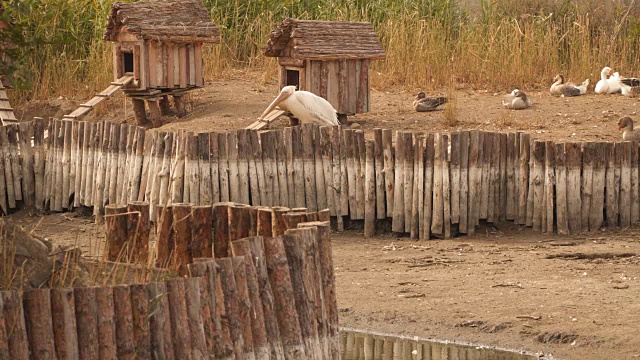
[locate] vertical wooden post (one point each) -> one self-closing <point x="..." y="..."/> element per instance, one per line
<point x="446" y="189"/>
<point x="243" y="165"/>
<point x="398" y="221"/>
<point x="408" y="180"/>
<point x="523" y="174"/>
<point x="14" y="319"/>
<point x="281" y="168"/>
<point x="159" y="321"/>
<point x="140" y="305"/>
<point x="299" y="167"/>
<point x="511" y="164"/>
<point x="255" y="163"/>
<point x="285" y="306"/>
<point x="623" y="157"/>
<point x="231" y="304"/>
<point x="269" y="169"/>
<point x="165" y="245"/>
<point x="381" y="211"/>
<point x="214" y="160"/>
<point x="289" y="154"/>
<point x="538" y="183"/>
<point x="487" y="143"/>
<point x="388" y="170"/>
<point x="561" y="189"/>
<point x="574" y="201"/>
<point x="417" y="209"/>
<point x="326" y="156"/>
<point x="116" y="233"/>
<point x="245" y="311"/>
<point x="370" y="193"/>
<point x="8" y="173"/>
<point x="437" y="222"/>
<point x="239" y="221"/>
<point x="179" y="321"/>
<point x="26" y="154"/>
<point x="475" y="178"/>
<point x="278" y="224"/>
<point x="221" y="230"/>
<point x="325" y="259"/>
<point x="292" y="219"/>
<point x="124" y="322"/>
<point x="262" y="153"/>
<point x="38" y="159"/>
<point x="112" y="190"/>
<point x="182" y="216"/>
<point x="87" y="322"/>
<point x="455" y="177"/>
<point x="264" y="222"/>
<point x="588" y="153"/>
<point x="635" y="184"/>
<point x="192" y="170"/>
<point x="37" y="312"/>
<point x="201" y="231"/>
<point x="310" y="189"/>
<point x="223" y="167"/>
<point x="138" y="229"/>
<point x="464" y="182"/>
<point x="549" y="185"/>
<point x="321" y="188"/>
<point x="106" y="323"/>
<point x="234" y="180"/>
<point x="194" y="318"/>
<point x="596" y="218"/>
<point x="63" y="311"/>
<point x="502" y="186"/>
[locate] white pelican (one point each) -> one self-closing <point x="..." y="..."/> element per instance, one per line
<point x="305" y="106"/>
<point x="424" y="103"/>
<point x="516" y="100"/>
<point x="559" y="87"/>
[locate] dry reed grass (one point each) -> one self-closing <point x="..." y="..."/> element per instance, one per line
<point x="490" y="44"/>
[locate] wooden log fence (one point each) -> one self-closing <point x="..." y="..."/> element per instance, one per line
<point x="425" y="185"/>
<point x="269" y="297"/>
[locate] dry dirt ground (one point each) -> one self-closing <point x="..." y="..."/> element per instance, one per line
<point x="574" y="297"/>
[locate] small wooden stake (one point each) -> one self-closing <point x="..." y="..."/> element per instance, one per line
<point x="201" y="232"/>
<point x="182" y="216"/>
<point x="124" y="322"/>
<point x="106" y="323"/>
<point x="596" y="216"/>
<point x="231" y="304"/>
<point x="523" y="177"/>
<point x="574" y="201"/>
<point x="87" y="322"/>
<point x="398" y="221"/>
<point x="370" y="193"/>
<point x="116" y="233"/>
<point x="561" y="189"/>
<point x="179" y="321"/>
<point x="165" y="245"/>
<point x="159" y="321"/>
<point x="63" y="311"/>
<point x="221" y="230"/>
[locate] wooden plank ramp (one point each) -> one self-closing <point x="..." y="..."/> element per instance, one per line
<point x="98" y="98"/>
<point x="6" y="111"/>
<point x="265" y="121"/>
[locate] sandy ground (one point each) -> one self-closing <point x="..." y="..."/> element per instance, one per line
<point x="238" y="99"/>
<point x="574" y="297"/>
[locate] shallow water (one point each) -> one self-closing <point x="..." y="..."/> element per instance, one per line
<point x="361" y="345"/>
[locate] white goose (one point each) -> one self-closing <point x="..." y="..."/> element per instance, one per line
<point x="602" y="87"/>
<point x="516" y="100"/>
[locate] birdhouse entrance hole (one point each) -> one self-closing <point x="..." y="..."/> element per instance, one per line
<point x="293" y="78"/>
<point x="127" y="61"/>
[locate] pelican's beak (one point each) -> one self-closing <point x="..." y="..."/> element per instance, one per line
<point x="281" y="97"/>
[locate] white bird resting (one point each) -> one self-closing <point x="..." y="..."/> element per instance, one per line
<point x="303" y="105"/>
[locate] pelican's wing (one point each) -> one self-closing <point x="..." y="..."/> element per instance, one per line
<point x="318" y="107"/>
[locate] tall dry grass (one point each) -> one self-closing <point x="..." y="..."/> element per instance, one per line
<point x="493" y="44"/>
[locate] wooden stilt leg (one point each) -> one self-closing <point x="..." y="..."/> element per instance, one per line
<point x="139" y="112"/>
<point x="165" y="106"/>
<point x="154" y="112"/>
<point x="181" y="109"/>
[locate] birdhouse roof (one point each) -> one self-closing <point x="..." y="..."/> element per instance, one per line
<point x="185" y="21"/>
<point x="325" y="40"/>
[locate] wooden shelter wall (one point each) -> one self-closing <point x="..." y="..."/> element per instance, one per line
<point x="344" y="83"/>
<point x="426" y="184"/>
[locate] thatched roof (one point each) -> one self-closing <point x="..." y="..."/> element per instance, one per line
<point x="162" y="20"/>
<point x="325" y="40"/>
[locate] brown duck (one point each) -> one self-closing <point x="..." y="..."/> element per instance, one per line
<point x="625" y="124"/>
<point x="424" y="103"/>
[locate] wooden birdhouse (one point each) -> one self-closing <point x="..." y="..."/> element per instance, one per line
<point x="157" y="51"/>
<point x="328" y="58"/>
